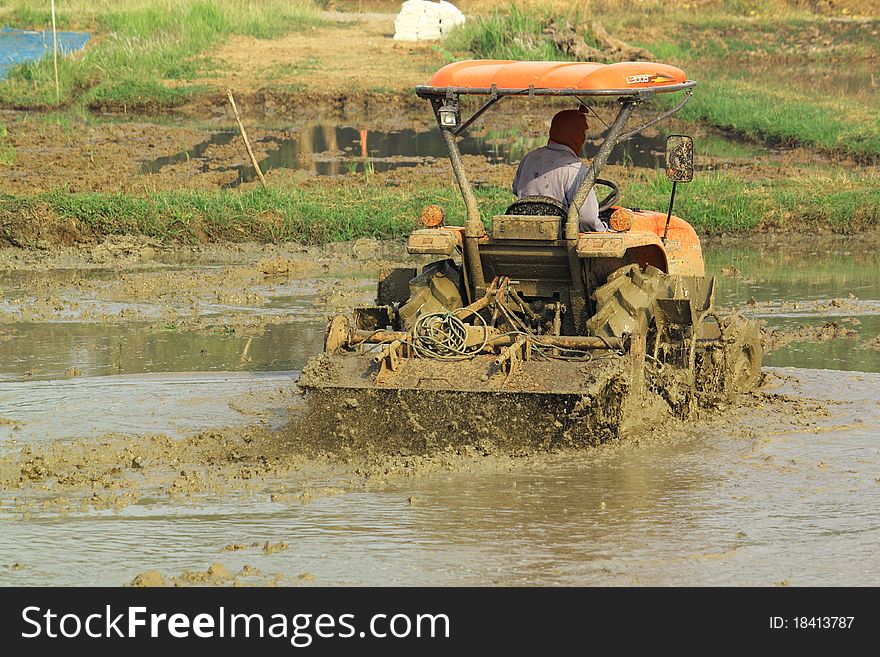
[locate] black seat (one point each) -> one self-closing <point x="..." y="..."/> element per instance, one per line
<point x="537" y="206"/>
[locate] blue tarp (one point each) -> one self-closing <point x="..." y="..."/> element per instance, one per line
<point x="18" y="46"/>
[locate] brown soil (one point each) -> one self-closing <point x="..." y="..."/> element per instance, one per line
<point x="109" y="157"/>
<point x="354" y="65"/>
<point x="872" y="344"/>
<point x="341" y="58"/>
<point x="79" y="157"/>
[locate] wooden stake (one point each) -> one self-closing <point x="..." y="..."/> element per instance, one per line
<point x="244" y="136"/>
<point x="55" y="54"/>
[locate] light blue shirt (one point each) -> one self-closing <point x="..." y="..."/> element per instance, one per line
<point x="556" y="171"/>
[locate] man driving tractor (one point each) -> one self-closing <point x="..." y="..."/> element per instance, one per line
<point x="556" y="170"/>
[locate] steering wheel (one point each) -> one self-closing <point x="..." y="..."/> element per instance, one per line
<point x="537" y="206"/>
<point x="547" y="206"/>
<point x="612" y="198"/>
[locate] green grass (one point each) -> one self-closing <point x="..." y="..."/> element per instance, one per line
<point x="7" y="151"/>
<point x="513" y="34"/>
<point x="805" y="98"/>
<point x="273" y="215"/>
<point x="766" y="111"/>
<point x="7" y="155"/>
<point x="138" y="45"/>
<point x="838" y="201"/>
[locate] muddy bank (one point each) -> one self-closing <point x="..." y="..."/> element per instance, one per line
<point x="124" y="252"/>
<point x="137" y="156"/>
<point x="238" y="286"/>
<point x="777" y="338"/>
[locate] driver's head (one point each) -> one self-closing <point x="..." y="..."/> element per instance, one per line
<point x="569" y="127"/>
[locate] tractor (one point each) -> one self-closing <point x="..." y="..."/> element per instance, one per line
<point x="522" y="328"/>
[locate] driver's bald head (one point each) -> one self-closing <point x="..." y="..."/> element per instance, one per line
<point x="569" y="127"/>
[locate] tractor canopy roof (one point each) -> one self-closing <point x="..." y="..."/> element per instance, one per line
<point x="508" y="77"/>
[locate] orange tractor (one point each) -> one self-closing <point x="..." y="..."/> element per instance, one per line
<point x="524" y="328"/>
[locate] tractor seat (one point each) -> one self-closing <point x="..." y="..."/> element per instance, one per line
<point x="537" y="206"/>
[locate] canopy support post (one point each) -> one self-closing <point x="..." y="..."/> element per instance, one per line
<point x="473" y="227"/>
<point x="578" y="294"/>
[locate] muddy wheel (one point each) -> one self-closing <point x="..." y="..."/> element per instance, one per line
<point x="743" y="354"/>
<point x="623" y="304"/>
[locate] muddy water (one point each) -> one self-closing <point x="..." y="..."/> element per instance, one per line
<point x="782" y="489"/>
<point x="833" y="282"/>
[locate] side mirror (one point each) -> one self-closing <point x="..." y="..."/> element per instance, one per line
<point x="679" y="158"/>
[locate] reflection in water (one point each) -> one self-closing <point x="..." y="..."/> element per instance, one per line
<point x="50" y="350"/>
<point x="333" y="150"/>
<point x="170" y="403"/>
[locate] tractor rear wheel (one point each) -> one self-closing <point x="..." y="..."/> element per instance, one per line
<point x="623" y="304"/>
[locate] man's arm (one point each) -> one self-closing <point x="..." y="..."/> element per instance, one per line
<point x="589" y="221"/>
<point x="588" y="213"/>
<point x="515" y="185"/>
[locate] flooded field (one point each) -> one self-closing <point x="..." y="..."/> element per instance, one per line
<point x="146" y="408"/>
<point x="122" y="153"/>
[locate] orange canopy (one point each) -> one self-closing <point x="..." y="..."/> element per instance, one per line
<point x="481" y="76"/>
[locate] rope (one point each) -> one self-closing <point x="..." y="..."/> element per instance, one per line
<point x="444" y="336"/>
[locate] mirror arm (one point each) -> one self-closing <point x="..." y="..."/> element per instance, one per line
<point x="669" y="213"/>
<point x="657" y="119"/>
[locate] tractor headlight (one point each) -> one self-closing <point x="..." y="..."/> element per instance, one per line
<point x="449" y="115"/>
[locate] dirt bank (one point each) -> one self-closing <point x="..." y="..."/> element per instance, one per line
<point x="351" y="62"/>
<point x="777" y="338"/>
